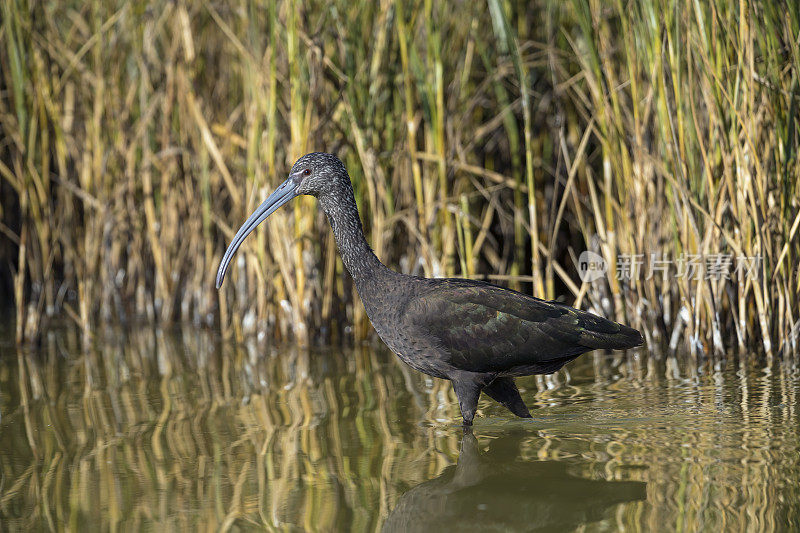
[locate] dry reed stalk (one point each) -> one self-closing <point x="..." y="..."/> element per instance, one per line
<point x="137" y="140"/>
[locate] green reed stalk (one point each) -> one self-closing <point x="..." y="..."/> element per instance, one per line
<point x="137" y="140"/>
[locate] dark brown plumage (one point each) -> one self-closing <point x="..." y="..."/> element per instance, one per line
<point x="477" y="335"/>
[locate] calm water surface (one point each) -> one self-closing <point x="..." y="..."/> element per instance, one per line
<point x="161" y="430"/>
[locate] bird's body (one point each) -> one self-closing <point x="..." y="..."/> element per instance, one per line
<point x="477" y="335"/>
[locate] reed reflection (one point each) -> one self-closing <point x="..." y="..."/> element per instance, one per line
<point x="175" y="430"/>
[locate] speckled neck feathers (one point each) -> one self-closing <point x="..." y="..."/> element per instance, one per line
<point x="359" y="259"/>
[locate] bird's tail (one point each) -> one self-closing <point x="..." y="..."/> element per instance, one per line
<point x="602" y="334"/>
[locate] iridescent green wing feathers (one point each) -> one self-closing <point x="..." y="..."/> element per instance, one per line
<point x="484" y="328"/>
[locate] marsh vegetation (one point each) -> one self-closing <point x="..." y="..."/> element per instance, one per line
<point x="494" y="140"/>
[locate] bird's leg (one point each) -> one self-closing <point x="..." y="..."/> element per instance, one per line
<point x="468" y="393"/>
<point x="468" y="387"/>
<point x="504" y="391"/>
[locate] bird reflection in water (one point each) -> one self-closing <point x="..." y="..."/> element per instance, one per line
<point x="487" y="491"/>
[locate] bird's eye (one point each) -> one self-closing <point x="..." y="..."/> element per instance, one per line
<point x="307" y="172"/>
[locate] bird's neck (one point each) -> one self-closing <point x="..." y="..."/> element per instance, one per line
<point x="357" y="256"/>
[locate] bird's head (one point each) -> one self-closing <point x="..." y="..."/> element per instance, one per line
<point x="317" y="174"/>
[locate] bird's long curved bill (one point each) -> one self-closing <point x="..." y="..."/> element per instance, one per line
<point x="280" y="196"/>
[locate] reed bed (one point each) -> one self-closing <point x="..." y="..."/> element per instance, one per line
<point x="491" y="140"/>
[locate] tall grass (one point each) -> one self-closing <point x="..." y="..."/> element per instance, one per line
<point x="499" y="139"/>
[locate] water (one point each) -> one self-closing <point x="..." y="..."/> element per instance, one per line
<point x="176" y="430"/>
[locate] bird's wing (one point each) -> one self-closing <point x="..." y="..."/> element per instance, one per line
<point x="484" y="328"/>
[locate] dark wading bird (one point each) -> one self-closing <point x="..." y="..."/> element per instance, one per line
<point x="477" y="335"/>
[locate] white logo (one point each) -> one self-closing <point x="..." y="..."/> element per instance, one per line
<point x="591" y="266"/>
